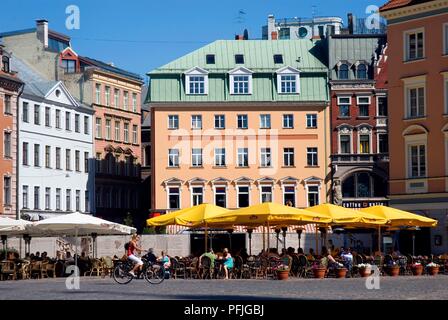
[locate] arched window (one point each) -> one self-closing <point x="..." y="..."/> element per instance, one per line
<point x="361" y="72"/>
<point x="343" y="72"/>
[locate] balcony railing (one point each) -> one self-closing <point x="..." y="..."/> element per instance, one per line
<point x="381" y="122"/>
<point x="359" y="158"/>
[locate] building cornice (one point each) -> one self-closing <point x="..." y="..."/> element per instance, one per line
<point x="412" y="10"/>
<point x="239" y="104"/>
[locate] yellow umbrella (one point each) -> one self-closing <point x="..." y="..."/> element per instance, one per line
<point x="397" y="218"/>
<point x="196" y="216"/>
<point x="165" y="219"/>
<point x="345" y="216"/>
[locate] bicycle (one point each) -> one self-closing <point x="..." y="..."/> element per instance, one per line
<point x="153" y="272"/>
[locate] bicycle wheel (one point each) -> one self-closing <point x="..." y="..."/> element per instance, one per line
<point x="121" y="274"/>
<point x="154" y="274"/>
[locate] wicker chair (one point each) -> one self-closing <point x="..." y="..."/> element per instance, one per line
<point x="36" y="269"/>
<point x="205" y="269"/>
<point x="8" y="269"/>
<point x="177" y="268"/>
<point x="108" y="266"/>
<point x="97" y="266"/>
<point x="24" y="270"/>
<point x="192" y="269"/>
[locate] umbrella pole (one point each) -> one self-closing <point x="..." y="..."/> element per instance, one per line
<point x="264" y="246"/>
<point x="413" y="243"/>
<point x="206" y="237"/>
<point x="317" y="239"/>
<point x="268" y="236"/>
<point x="76" y="252"/>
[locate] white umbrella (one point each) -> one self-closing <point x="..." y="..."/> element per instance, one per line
<point x="78" y="224"/>
<point x="11" y="227"/>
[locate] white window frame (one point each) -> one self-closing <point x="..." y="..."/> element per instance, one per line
<point x="409" y="159"/>
<point x="445" y="91"/>
<point x="134" y="102"/>
<point x="107" y="95"/>
<point x="219" y="153"/>
<point x="116" y="97"/>
<point x="289" y="159"/>
<point x="98" y="128"/>
<point x="193" y="194"/>
<point x="378" y="133"/>
<point x="344" y="103"/>
<point x="98" y="93"/>
<point x="412" y="140"/>
<point x="117" y="135"/>
<point x="172" y="118"/>
<point x="195" y="119"/>
<point x="378" y="97"/>
<point x="125" y="100"/>
<point x="290" y="122"/>
<point x="363" y="131"/>
<point x="307" y="189"/>
<point x="414" y="83"/>
<point x="406" y="51"/>
<point x="238" y="186"/>
<point x="288" y="71"/>
<point x="168" y="187"/>
<point x="345" y="132"/>
<point x="226" y="190"/>
<point x="195" y="156"/>
<point x="309" y="116"/>
<point x="134" y="134"/>
<point x="445" y="39"/>
<point x="284" y="193"/>
<point x="221" y="118"/>
<point x="126" y="132"/>
<point x="240" y="153"/>
<point x="267" y="156"/>
<point x="196" y="72"/>
<point x="247" y="121"/>
<point x="312" y="152"/>
<point x="237" y="72"/>
<point x="265" y="121"/>
<point x="261" y="186"/>
<point x="108" y="129"/>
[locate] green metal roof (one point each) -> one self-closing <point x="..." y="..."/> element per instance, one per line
<point x="305" y="55"/>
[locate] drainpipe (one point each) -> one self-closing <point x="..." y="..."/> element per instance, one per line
<point x="17" y="150"/>
<point x="326" y="150"/>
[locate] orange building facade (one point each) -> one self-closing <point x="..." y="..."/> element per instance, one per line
<point x="418" y="111"/>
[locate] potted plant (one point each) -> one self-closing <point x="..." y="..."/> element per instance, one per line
<point x="433" y="268"/>
<point x="341" y="271"/>
<point x="393" y="269"/>
<point x="283" y="272"/>
<point x="365" y="269"/>
<point x="319" y="271"/>
<point x="417" y="269"/>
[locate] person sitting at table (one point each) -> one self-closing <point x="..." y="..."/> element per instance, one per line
<point x="396" y="253"/>
<point x="211" y="255"/>
<point x="310" y="255"/>
<point x="165" y="260"/>
<point x="150" y="256"/>
<point x="347" y="258"/>
<point x="37" y="256"/>
<point x="300" y="251"/>
<point x="331" y="261"/>
<point x="228" y="262"/>
<point x="284" y="253"/>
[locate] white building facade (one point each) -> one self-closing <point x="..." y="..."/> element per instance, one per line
<point x="56" y="175"/>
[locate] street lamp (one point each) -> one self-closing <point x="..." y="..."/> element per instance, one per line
<point x="277" y="231"/>
<point x="284" y="229"/>
<point x="299" y="235"/>
<point x="230" y="231"/>
<point x="249" y="231"/>
<point x="94" y="236"/>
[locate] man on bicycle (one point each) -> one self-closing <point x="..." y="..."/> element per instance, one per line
<point x="130" y="253"/>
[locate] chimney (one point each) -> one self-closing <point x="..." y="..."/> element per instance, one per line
<point x="271" y="25"/>
<point x="274" y="35"/>
<point x="350" y="23"/>
<point x="42" y="31"/>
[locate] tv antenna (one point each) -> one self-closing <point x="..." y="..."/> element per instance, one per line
<point x="314" y="11"/>
<point x="241" y="16"/>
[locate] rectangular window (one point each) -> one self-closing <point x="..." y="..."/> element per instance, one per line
<point x="107" y="95"/>
<point x="345" y="143"/>
<point x="7" y="104"/>
<point x="239" y="59"/>
<point x="68" y="159"/>
<point x="68" y="199"/>
<point x="47" y="116"/>
<point x="173" y="122"/>
<point x="58" y="119"/>
<point x="77" y="160"/>
<point x="220" y="197"/>
<point x="36" y="198"/>
<point x="382" y="106"/>
<point x="58" y="199"/>
<point x="416" y="102"/>
<point x="198" y="195"/>
<point x="98" y="128"/>
<point x="77" y="123"/>
<point x="288" y="121"/>
<point x="126" y="132"/>
<point x="241" y="84"/>
<point x="25" y="112"/>
<point x="445" y="39"/>
<point x="174" y="198"/>
<point x="284" y="33"/>
<point x="25" y="154"/>
<point x="243" y="197"/>
<point x="117" y="131"/>
<point x="47" y="198"/>
<point x="196" y="122"/>
<point x="86" y="162"/>
<point x="446" y="96"/>
<point x="266" y="157"/>
<point x="383" y="143"/>
<point x="69" y="66"/>
<point x="196" y="84"/>
<point x="134" y="134"/>
<point x="173" y="158"/>
<point x="98" y="162"/>
<point x="58" y="158"/>
<point x="311" y="157"/>
<point x="414" y="45"/>
<point x="86" y="125"/>
<point x="220" y="121"/>
<point x="7" y="191"/>
<point x="243" y="157"/>
<point x="265" y="121"/>
<point x="363" y="104"/>
<point x="266" y="194"/>
<point x="37" y="155"/>
<point x="417" y="159"/>
<point x="47" y="156"/>
<point x="210" y="59"/>
<point x="98" y="93"/>
<point x="37" y="114"/>
<point x="86" y="201"/>
<point x="25" y="197"/>
<point x="364" y="143"/>
<point x="126" y="100"/>
<point x="344" y="106"/>
<point x="288" y="157"/>
<point x="242" y="121"/>
<point x="289" y="196"/>
<point x="134" y="102"/>
<point x="7" y="144"/>
<point x="313" y="196"/>
<point x="278" y="58"/>
<point x="220" y="157"/>
<point x="311" y="120"/>
<point x="196" y="157"/>
<point x="116" y="98"/>
<point x="67" y="121"/>
<point x="288" y="84"/>
<point x="108" y="129"/>
<point x="78" y="200"/>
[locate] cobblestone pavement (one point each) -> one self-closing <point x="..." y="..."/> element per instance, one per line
<point x="403" y="287"/>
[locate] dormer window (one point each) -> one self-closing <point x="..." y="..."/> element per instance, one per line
<point x="210" y="59"/>
<point x="196" y="81"/>
<point x="69" y="66"/>
<point x="278" y="58"/>
<point x="343" y="72"/>
<point x="288" y="80"/>
<point x="361" y="71"/>
<point x="5" y="64"/>
<point x="240" y="81"/>
<point x="239" y="59"/>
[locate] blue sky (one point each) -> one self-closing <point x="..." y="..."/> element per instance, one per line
<point x="141" y="35"/>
